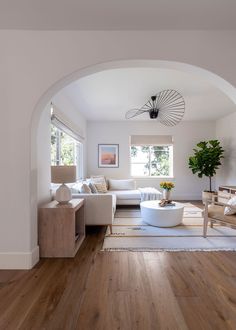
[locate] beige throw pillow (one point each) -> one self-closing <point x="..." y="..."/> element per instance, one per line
<point x="99" y="178"/>
<point x="85" y="189"/>
<point x="100" y="184"/>
<point x="101" y="188"/>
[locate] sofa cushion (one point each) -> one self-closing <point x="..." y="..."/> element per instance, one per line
<point x="100" y="184"/>
<point x="99" y="178"/>
<point x="76" y="187"/>
<point x="128" y="184"/>
<point x="101" y="188"/>
<point x="228" y="209"/>
<point x="93" y="188"/>
<point x="217" y="212"/>
<point x="85" y="189"/>
<point x="127" y="194"/>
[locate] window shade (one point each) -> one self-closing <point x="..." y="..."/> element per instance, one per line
<point x="61" y="122"/>
<point x="145" y="140"/>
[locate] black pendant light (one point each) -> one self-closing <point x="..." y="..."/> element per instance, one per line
<point x="167" y="106"/>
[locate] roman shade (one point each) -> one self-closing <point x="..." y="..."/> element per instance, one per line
<point x="147" y="140"/>
<point x="59" y="120"/>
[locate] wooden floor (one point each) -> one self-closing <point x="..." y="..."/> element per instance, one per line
<point x="122" y="290"/>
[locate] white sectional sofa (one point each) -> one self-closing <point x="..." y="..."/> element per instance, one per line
<point x="125" y="191"/>
<point x="100" y="207"/>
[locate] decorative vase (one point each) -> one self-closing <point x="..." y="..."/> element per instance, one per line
<point x="166" y="194"/>
<point x="206" y="195"/>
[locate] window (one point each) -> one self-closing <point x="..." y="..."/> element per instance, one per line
<point x="151" y="160"/>
<point x="65" y="150"/>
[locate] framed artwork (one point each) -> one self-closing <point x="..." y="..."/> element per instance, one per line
<point x="108" y="155"/>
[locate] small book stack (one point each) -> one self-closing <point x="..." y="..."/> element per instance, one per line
<point x="166" y="202"/>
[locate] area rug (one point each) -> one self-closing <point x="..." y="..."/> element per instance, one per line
<point x="130" y="233"/>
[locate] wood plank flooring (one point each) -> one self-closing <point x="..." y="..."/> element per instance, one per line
<point x="122" y="290"/>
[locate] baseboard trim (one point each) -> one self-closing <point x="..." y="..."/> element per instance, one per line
<point x="19" y="260"/>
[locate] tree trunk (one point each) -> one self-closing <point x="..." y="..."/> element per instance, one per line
<point x="210" y="183"/>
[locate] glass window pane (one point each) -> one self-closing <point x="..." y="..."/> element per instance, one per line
<point x="139" y="154"/>
<point x="139" y="170"/>
<point x="160" y="161"/>
<point x="67" y="150"/>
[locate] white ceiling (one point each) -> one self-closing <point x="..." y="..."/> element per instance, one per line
<point x="117" y="14"/>
<point x="107" y="95"/>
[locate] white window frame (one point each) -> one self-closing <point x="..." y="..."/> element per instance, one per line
<point x="78" y="156"/>
<point x="171" y="157"/>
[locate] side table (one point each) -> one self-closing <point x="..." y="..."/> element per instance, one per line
<point x="61" y="228"/>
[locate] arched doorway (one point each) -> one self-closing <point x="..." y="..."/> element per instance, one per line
<point x="220" y="83"/>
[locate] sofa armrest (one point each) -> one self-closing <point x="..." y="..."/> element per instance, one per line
<point x="98" y="208"/>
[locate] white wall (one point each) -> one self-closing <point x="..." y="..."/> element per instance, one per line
<point x="64" y="105"/>
<point x="185" y="134"/>
<point x="34" y="65"/>
<point x="44" y="156"/>
<point x="226" y="133"/>
<point x="44" y="142"/>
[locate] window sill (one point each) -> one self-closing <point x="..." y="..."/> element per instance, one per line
<point x="154" y="177"/>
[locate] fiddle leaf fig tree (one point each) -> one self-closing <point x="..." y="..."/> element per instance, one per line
<point x="206" y="159"/>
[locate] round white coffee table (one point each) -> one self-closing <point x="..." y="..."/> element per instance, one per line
<point x="167" y="216"/>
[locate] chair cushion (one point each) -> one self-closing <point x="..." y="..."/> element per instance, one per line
<point x="216" y="212"/>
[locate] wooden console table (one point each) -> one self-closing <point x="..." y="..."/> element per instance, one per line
<point x="61" y="228"/>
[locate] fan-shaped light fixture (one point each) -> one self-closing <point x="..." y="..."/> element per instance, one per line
<point x="167" y="106"/>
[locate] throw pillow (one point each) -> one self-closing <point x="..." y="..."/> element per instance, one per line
<point x="75" y="189"/>
<point x="228" y="210"/>
<point x="85" y="189"/>
<point x="101" y="188"/>
<point x="128" y="184"/>
<point x="93" y="188"/>
<point x="99" y="178"/>
<point x="100" y="181"/>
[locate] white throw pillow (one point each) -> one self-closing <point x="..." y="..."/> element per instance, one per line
<point x="228" y="210"/>
<point x="75" y="189"/>
<point x="85" y="189"/>
<point x="128" y="184"/>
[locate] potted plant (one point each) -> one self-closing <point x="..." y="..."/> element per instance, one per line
<point x="205" y="161"/>
<point x="166" y="186"/>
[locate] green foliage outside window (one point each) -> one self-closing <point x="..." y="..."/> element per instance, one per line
<point x="63" y="148"/>
<point x="151" y="160"/>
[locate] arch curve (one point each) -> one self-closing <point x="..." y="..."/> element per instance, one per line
<point x="211" y="77"/>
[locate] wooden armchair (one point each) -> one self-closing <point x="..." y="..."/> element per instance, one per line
<point x="214" y="212"/>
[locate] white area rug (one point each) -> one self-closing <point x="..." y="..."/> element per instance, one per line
<point x="132" y="234"/>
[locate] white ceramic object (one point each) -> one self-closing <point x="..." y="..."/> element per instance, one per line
<point x="166" y="194"/>
<point x="167" y="216"/>
<point x="63" y="194"/>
